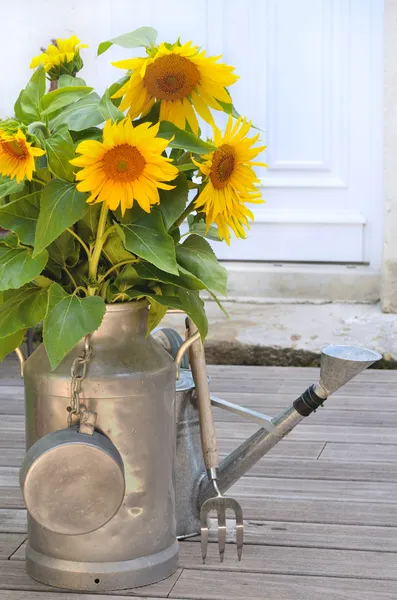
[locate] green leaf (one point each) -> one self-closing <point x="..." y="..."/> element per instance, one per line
<point x="148" y="239"/>
<point x="19" y="113"/>
<point x="199" y="227"/>
<point x="186" y="167"/>
<point x="61" y="205"/>
<point x="10" y="240"/>
<point x="183" y="139"/>
<point x="18" y="266"/>
<point x="92" y="133"/>
<point x="62" y="97"/>
<point x="169" y="301"/>
<point x="229" y="108"/>
<point x="20" y="216"/>
<point x="197" y="257"/>
<point x="186" y="280"/>
<point x="30" y="98"/>
<point x="143" y="36"/>
<point x="173" y="202"/>
<point x="68" y="319"/>
<point x="22" y="308"/>
<point x="127" y="278"/>
<point x="60" y="150"/>
<point x="69" y="80"/>
<point x="10" y="342"/>
<point x="10" y="186"/>
<point x="115" y="88"/>
<point x="114" y="249"/>
<point x="193" y="306"/>
<point x="156" y="314"/>
<point x="87" y="225"/>
<point x="109" y="110"/>
<point x="81" y="115"/>
<point x="186" y="300"/>
<point x="64" y="251"/>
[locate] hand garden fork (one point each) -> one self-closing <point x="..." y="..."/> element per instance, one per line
<point x="219" y="503"/>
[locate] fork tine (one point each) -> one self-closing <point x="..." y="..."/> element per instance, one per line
<point x="221" y="529"/>
<point x="239" y="526"/>
<point x="204" y="533"/>
<point x="239" y="532"/>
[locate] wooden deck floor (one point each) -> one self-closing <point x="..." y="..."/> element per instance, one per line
<point x="320" y="510"/>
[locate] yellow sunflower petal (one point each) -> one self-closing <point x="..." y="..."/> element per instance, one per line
<point x="17" y="156"/>
<point x="182" y="78"/>
<point x="127" y="165"/>
<point x="231" y="180"/>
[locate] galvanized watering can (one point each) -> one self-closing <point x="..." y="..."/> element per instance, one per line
<point x="128" y="399"/>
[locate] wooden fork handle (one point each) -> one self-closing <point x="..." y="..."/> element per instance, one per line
<point x="207" y="426"/>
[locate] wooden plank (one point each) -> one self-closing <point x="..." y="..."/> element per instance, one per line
<point x="318" y="511"/>
<point x="294" y="561"/>
<point x="13" y="576"/>
<point x="9" y="477"/>
<point x="261" y="372"/>
<point x="292" y="373"/>
<point x="65" y="595"/>
<point x="341" y="491"/>
<point x="303" y="535"/>
<point x="276" y="402"/>
<point x="11" y="406"/>
<point x="271" y="466"/>
<point x="9" y="543"/>
<point x="347" y="418"/>
<point x="353" y="388"/>
<point x="360" y="452"/>
<point x="12" y="456"/>
<point x="293" y="450"/>
<point x="306" y="431"/>
<point x="194" y="583"/>
<point x="13" y="521"/>
<point x="11" y="497"/>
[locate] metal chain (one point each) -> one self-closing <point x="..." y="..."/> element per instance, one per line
<point x="78" y="373"/>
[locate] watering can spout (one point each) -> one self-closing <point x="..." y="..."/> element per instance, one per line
<point x="339" y="364"/>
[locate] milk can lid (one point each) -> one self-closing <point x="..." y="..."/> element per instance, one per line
<point x="72" y="483"/>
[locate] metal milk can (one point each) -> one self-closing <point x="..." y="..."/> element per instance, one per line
<point x="130" y="384"/>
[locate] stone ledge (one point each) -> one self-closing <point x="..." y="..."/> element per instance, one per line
<point x="293" y="334"/>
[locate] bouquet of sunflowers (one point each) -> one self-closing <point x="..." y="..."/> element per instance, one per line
<point x="94" y="190"/>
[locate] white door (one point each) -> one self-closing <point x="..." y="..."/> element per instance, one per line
<point x="311" y="79"/>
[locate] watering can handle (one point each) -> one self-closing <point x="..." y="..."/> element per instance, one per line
<point x="21" y="358"/>
<point x="207" y="426"/>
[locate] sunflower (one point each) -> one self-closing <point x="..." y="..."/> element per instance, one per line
<point x="61" y="53"/>
<point x="17" y="155"/>
<point x="231" y="179"/>
<point x="128" y="165"/>
<point x="182" y="78"/>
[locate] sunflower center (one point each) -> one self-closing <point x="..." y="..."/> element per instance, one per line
<point x="223" y="165"/>
<point x="15" y="149"/>
<point x="123" y="163"/>
<point x="171" y="77"/>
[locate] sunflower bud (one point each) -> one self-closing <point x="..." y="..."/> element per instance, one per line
<point x="62" y="57"/>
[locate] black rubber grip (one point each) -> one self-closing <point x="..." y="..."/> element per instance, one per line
<point x="308" y="402"/>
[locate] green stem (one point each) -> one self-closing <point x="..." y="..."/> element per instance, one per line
<point x="83" y="244"/>
<point x="72" y="279"/>
<point x="120" y="264"/>
<point x="100" y="240"/>
<point x="108" y="231"/>
<point x="189" y="209"/>
<point x="78" y="288"/>
<point x="37" y="180"/>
